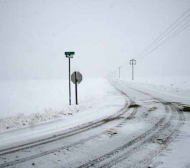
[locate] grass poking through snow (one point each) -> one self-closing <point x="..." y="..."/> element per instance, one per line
<point x="111" y="119"/>
<point x="134" y="106"/>
<point x="185" y="108"/>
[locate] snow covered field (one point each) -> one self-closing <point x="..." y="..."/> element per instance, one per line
<point x="118" y="122"/>
<point x="181" y="82"/>
<point x="178" y="85"/>
<point x="26" y="103"/>
<point x="41" y="95"/>
<point x="85" y="135"/>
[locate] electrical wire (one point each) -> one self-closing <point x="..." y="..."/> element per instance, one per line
<point x="166" y="32"/>
<point x="163" y="38"/>
<point x="167" y="39"/>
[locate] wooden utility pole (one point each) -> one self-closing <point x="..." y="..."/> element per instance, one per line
<point x="132" y="62"/>
<point x="119" y="72"/>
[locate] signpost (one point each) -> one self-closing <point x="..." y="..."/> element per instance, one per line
<point x="76" y="77"/>
<point x="69" y="55"/>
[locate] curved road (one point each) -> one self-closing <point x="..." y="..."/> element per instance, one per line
<point x="131" y="137"/>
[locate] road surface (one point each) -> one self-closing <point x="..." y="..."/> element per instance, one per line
<point x="131" y="137"/>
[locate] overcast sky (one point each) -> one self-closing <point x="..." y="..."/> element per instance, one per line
<point x="105" y="34"/>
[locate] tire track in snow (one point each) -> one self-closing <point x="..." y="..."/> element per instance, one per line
<point x="171" y="134"/>
<point x="134" y="142"/>
<point x="86" y="128"/>
<point x="74" y="131"/>
<point x="150" y="139"/>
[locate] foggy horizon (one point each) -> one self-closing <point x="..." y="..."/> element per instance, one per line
<point x="103" y="34"/>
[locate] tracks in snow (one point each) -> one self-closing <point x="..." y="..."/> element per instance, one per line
<point x="75" y="131"/>
<point x="120" y="154"/>
<point x="162" y="127"/>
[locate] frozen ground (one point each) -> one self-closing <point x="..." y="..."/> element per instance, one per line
<point x="181" y="82"/>
<point x="177" y="155"/>
<point x="26" y="103"/>
<point x="177" y="85"/>
<point x="33" y="96"/>
<point x="133" y="124"/>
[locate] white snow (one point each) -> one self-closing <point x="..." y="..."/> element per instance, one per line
<point x="177" y="89"/>
<point x="177" y="155"/>
<point x="26" y="103"/>
<point x="176" y="85"/>
<point x="96" y="104"/>
<point x="31" y="96"/>
<point x="35" y="109"/>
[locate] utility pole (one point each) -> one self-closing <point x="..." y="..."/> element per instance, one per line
<point x="69" y="55"/>
<point x="132" y="62"/>
<point x="119" y="72"/>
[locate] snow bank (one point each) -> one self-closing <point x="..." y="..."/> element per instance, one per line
<point x="173" y="84"/>
<point x="182" y="82"/>
<point x="26" y="103"/>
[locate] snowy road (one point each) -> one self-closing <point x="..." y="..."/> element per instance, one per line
<point x="146" y="123"/>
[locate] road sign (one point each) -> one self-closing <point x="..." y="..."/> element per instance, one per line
<point x="76" y="77"/>
<point x="69" y="54"/>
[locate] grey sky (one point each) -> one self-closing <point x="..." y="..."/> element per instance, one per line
<point x="34" y="34"/>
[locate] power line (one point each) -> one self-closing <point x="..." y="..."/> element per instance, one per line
<point x="166" y="40"/>
<point x="165" y="33"/>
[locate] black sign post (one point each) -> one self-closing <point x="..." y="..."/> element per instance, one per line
<point x="76" y="88"/>
<point x="69" y="55"/>
<point x="76" y="78"/>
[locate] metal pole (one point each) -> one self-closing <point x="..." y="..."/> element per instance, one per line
<point x="76" y="88"/>
<point x="69" y="82"/>
<point x="119" y="72"/>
